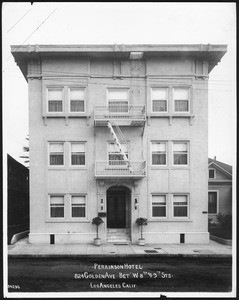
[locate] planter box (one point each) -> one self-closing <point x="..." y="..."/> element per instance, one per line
<point x="221" y="240"/>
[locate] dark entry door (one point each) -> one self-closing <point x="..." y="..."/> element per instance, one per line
<point x="116" y="211"/>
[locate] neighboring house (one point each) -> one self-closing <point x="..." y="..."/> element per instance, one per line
<point x="219" y="188"/>
<point x="17" y="197"/>
<point x="118" y="131"/>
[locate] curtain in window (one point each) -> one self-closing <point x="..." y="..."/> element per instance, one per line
<point x="158" y="153"/>
<point x="212" y="202"/>
<point x="55" y="100"/>
<point x="78" y="206"/>
<point x="78" y="154"/>
<point x="180" y="204"/>
<point x="159" y="105"/>
<point x="118" y="100"/>
<point x="77" y="100"/>
<point x="57" y="206"/>
<point x="77" y="105"/>
<point x="181" y="97"/>
<point x="56" y="154"/>
<point x="159" y="98"/>
<point x="180" y="153"/>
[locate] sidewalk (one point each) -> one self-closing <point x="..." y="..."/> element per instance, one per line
<point x="23" y="249"/>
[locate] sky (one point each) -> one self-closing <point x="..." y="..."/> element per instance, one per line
<point x="122" y="23"/>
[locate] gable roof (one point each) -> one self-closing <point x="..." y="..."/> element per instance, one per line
<point x="225" y="167"/>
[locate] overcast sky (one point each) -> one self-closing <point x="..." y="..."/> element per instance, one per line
<point x="122" y="23"/>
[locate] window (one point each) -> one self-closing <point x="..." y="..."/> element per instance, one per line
<point x="77" y="154"/>
<point x="211" y="173"/>
<point x="158" y="153"/>
<point x="56" y="151"/>
<point x="55" y="100"/>
<point x="57" y="206"/>
<point x="78" y="206"/>
<point x="114" y="155"/>
<point x="118" y="100"/>
<point x="180" y="205"/>
<point x="77" y="100"/>
<point x="181" y="99"/>
<point x="158" y="205"/>
<point x="180" y="153"/>
<point x="159" y="99"/>
<point x="212" y="202"/>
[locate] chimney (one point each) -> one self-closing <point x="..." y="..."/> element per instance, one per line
<point x="215" y="158"/>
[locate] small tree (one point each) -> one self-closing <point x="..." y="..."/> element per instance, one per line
<point x="141" y="222"/>
<point x="97" y="221"/>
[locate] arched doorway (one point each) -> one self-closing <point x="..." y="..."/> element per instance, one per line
<point x="118" y="207"/>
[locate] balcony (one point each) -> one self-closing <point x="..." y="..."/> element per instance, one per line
<point x="120" y="169"/>
<point x="122" y="115"/>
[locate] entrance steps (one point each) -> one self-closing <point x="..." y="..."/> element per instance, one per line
<point x="118" y="235"/>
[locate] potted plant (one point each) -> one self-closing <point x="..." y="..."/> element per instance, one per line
<point x="97" y="221"/>
<point x="141" y="222"/>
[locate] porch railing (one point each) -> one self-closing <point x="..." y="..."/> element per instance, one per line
<point x="120" y="168"/>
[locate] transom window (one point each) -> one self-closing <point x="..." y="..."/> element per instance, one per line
<point x="181" y="99"/>
<point x="212" y="173"/>
<point x="159" y="99"/>
<point x="77" y="154"/>
<point x="118" y="100"/>
<point x="57" y="206"/>
<point x="180" y="153"/>
<point x="56" y="153"/>
<point x="78" y="206"/>
<point x="158" y="205"/>
<point x="77" y="100"/>
<point x="180" y="205"/>
<point x="55" y="100"/>
<point x="212" y="202"/>
<point x="158" y="153"/>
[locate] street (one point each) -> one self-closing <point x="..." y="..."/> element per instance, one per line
<point x="124" y="274"/>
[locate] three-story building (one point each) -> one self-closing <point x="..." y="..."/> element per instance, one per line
<point x="119" y="131"/>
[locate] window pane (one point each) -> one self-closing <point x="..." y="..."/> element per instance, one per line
<point x="112" y="147"/>
<point x="181" y="93"/>
<point x="180" y="199"/>
<point x="77" y="94"/>
<point x="181" y="105"/>
<point x="54" y="106"/>
<point x="158" y="147"/>
<point x="159" y="211"/>
<point x="159" y="199"/>
<point x="56" y="159"/>
<point x="159" y="105"/>
<point x="77" y="105"/>
<point x="55" y="94"/>
<point x="77" y="159"/>
<point x="118" y="106"/>
<point x="78" y="212"/>
<point x="118" y="94"/>
<point x="158" y="159"/>
<point x="180" y="211"/>
<point x="180" y="159"/>
<point x="211" y="173"/>
<point x="78" y="199"/>
<point x="57" y="212"/>
<point x="56" y="147"/>
<point x="57" y="200"/>
<point x="159" y="94"/>
<point x="212" y="202"/>
<point x="180" y="147"/>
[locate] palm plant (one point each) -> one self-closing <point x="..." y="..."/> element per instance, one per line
<point x="141" y="222"/>
<point x="97" y="221"/>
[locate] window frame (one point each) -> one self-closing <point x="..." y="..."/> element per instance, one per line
<point x="217" y="198"/>
<point x="86" y="206"/>
<point x="128" y="98"/>
<point x="214" y="173"/>
<point x="70" y="152"/>
<point x="49" y="206"/>
<point x="189" y="99"/>
<point x="56" y="113"/>
<point x="113" y="142"/>
<point x="167" y="100"/>
<point x="64" y="154"/>
<point x="188" y="205"/>
<point x="188" y="153"/>
<point x="166" y="206"/>
<point x="69" y="88"/>
<point x="151" y="153"/>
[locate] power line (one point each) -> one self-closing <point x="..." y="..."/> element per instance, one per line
<point x="34" y="31"/>
<point x="19" y="20"/>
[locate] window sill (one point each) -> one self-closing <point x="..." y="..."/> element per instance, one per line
<point x="76" y="220"/>
<point x="170" y="220"/>
<point x="62" y="168"/>
<point x="172" y="115"/>
<point x="159" y="167"/>
<point x="77" y="168"/>
<point x="64" y="115"/>
<point x="180" y="167"/>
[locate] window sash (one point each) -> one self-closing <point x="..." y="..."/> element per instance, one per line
<point x="56" y="159"/>
<point x="180" y="153"/>
<point x="158" y="158"/>
<point x="77" y="105"/>
<point x="159" y="105"/>
<point x="180" y="206"/>
<point x="77" y="159"/>
<point x="212" y="202"/>
<point x="57" y="206"/>
<point x="55" y="106"/>
<point x="181" y="105"/>
<point x="211" y="173"/>
<point x="78" y="210"/>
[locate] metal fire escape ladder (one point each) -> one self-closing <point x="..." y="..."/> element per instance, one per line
<point x="119" y="140"/>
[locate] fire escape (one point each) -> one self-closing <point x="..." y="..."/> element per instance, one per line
<point x="113" y="119"/>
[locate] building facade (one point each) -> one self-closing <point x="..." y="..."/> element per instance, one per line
<point x="219" y="189"/>
<point x="17" y="197"/>
<point x="119" y="131"/>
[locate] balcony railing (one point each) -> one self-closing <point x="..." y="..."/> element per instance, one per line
<point x="133" y="115"/>
<point x="120" y="168"/>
